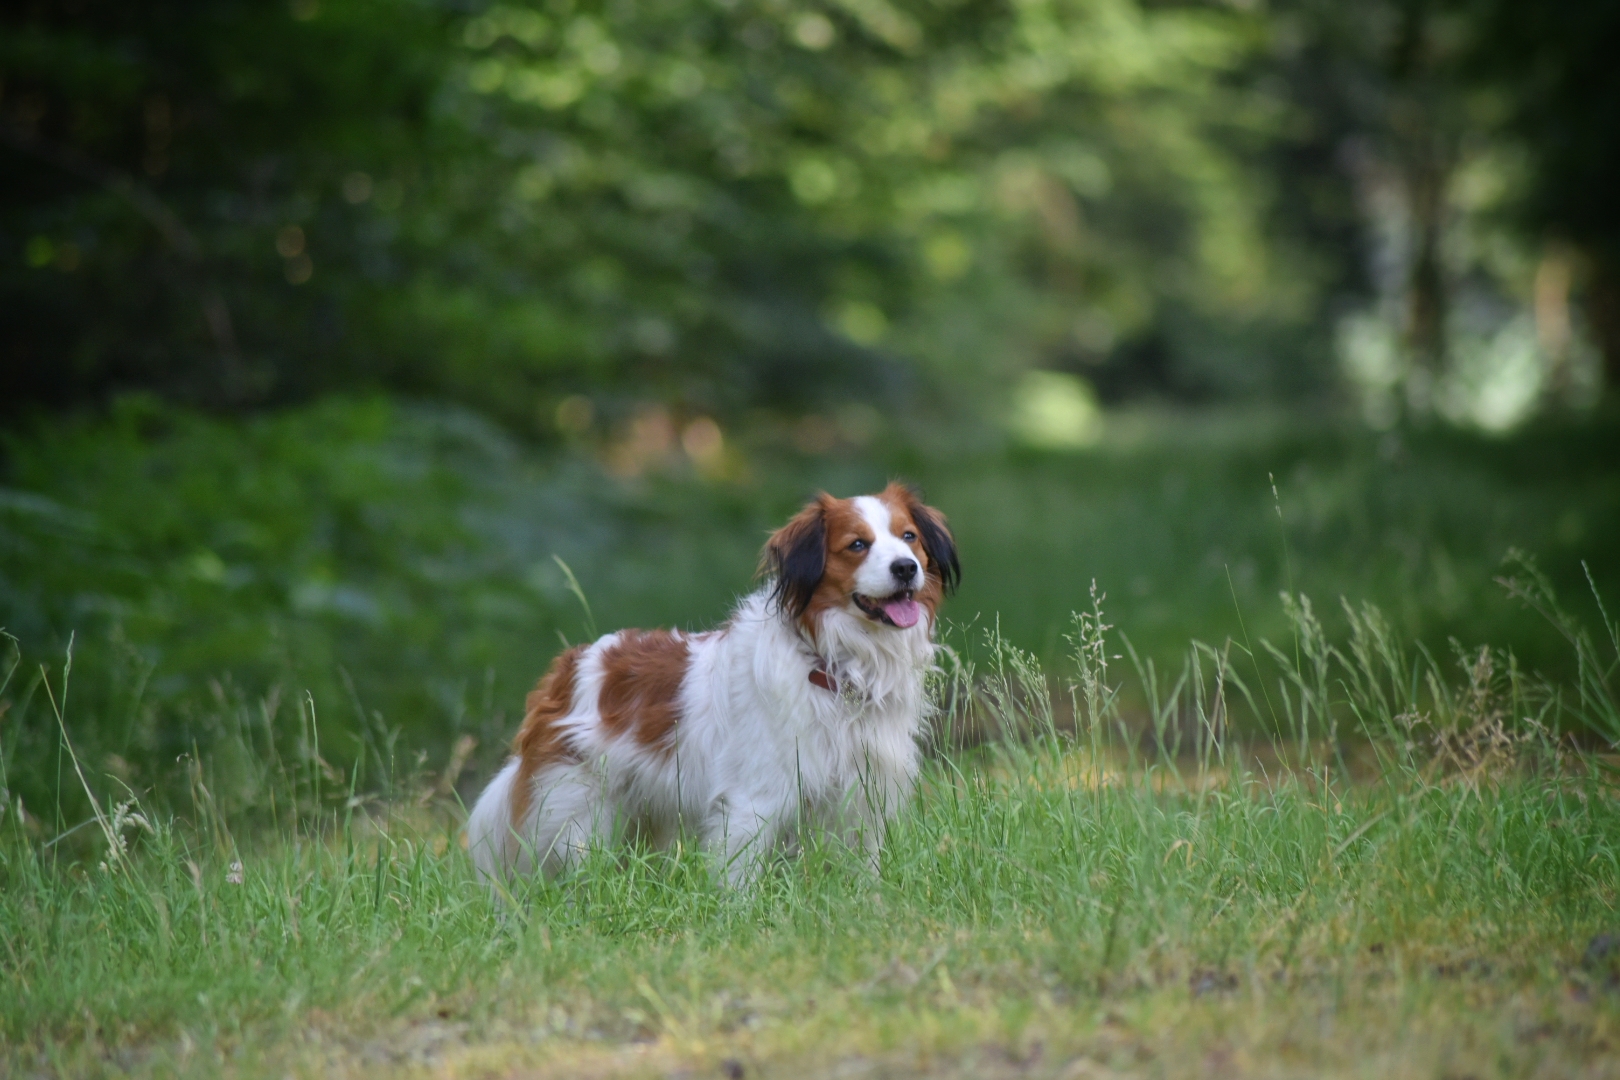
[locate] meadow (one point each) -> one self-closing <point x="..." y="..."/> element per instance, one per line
<point x="1171" y="824"/>
<point x="360" y="356"/>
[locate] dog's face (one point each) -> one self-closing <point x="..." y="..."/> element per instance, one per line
<point x="886" y="558"/>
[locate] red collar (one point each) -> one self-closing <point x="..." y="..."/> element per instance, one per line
<point x="824" y="679"/>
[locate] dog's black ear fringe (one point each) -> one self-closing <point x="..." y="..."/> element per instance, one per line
<point x="796" y="556"/>
<point x="937" y="542"/>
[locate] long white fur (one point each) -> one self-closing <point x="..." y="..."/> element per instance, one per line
<point x="759" y="749"/>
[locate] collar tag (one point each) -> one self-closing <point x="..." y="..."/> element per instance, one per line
<point x="823" y="678"/>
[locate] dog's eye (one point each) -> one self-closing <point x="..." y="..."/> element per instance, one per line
<point x="908" y="536"/>
<point x="859" y="545"/>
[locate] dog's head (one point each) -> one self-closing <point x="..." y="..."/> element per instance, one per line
<point x="886" y="558"/>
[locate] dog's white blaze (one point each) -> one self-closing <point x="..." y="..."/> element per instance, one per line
<point x="874" y="578"/>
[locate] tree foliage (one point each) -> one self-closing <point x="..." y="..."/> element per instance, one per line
<point x="723" y="204"/>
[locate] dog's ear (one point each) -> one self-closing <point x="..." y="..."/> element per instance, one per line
<point x="936" y="539"/>
<point x="796" y="556"/>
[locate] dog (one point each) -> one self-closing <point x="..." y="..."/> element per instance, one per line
<point x="804" y="708"/>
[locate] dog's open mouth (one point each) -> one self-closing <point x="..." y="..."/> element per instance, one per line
<point x="898" y="610"/>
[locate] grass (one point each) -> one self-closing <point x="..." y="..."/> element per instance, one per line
<point x="1251" y="837"/>
<point x="1408" y="875"/>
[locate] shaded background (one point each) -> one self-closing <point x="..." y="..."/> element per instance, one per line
<point x="330" y="327"/>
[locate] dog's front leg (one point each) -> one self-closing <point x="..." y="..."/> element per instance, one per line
<point x="741" y="833"/>
<point x="865" y="835"/>
<point x="879" y="792"/>
<point x="863" y="820"/>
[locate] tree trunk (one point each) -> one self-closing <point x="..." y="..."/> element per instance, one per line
<point x="1426" y="293"/>
<point x="1603" y="310"/>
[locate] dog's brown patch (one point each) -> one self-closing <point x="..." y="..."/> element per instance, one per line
<point x="641" y="686"/>
<point x="540" y="741"/>
<point x="844" y="525"/>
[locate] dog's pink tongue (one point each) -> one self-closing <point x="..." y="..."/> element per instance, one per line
<point x="902" y="611"/>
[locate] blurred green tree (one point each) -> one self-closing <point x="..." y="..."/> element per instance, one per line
<point x="718" y="205"/>
<point x="172" y="198"/>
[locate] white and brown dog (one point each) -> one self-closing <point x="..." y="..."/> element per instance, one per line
<point x="803" y="709"/>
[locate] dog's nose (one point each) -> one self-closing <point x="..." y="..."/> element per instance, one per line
<point x="903" y="570"/>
